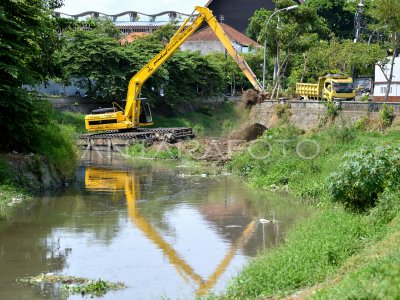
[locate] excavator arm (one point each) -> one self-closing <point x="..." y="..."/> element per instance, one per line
<point x="131" y="115"/>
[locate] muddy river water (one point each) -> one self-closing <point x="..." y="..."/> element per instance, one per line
<point x="163" y="233"/>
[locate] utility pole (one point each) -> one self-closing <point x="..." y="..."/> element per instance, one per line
<point x="358" y="25"/>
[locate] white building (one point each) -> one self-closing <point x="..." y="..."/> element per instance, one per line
<point x="380" y="84"/>
<point x="206" y="41"/>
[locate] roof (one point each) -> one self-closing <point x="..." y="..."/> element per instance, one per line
<point x="206" y="34"/>
<point x="131" y="37"/>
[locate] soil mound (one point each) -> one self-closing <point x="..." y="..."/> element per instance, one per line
<point x="251" y="97"/>
<point x="249" y="133"/>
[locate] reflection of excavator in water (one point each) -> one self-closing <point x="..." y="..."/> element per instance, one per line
<point x="137" y="112"/>
<point x="110" y="180"/>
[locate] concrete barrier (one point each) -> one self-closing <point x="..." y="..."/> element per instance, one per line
<point x="308" y="114"/>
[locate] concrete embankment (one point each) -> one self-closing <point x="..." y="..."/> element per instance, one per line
<point x="308" y="114"/>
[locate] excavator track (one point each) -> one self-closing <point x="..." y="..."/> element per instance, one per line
<point x="115" y="139"/>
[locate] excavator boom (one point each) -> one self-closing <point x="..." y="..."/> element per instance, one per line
<point x="133" y="115"/>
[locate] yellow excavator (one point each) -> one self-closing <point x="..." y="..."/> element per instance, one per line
<point x="137" y="112"/>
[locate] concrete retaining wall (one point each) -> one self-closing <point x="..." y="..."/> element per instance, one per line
<point x="307" y="114"/>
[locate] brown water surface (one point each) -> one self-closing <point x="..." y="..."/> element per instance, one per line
<point x="146" y="224"/>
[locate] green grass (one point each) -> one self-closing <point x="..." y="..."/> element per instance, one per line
<point x="207" y="121"/>
<point x="313" y="250"/>
<point x="336" y="253"/>
<point x="56" y="142"/>
<point x="284" y="165"/>
<point x="75" y="120"/>
<point x="141" y="151"/>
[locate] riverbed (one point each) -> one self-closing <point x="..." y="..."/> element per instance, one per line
<point x="154" y="226"/>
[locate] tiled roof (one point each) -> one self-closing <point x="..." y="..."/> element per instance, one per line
<point x="131" y="37"/>
<point x="206" y="34"/>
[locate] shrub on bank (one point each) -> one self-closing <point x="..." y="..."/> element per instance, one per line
<point x="364" y="176"/>
<point x="321" y="246"/>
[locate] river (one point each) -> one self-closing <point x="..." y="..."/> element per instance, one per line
<point x="163" y="233"/>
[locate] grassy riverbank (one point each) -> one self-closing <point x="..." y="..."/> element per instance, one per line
<point x="206" y="121"/>
<point x="51" y="161"/>
<point x="339" y="252"/>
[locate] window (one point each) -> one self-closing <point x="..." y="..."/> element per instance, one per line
<point x="384" y="89"/>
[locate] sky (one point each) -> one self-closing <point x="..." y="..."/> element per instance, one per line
<point x="117" y="6"/>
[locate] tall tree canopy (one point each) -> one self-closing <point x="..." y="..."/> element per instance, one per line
<point x="28" y="41"/>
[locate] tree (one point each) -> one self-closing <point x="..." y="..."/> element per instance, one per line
<point x="94" y="60"/>
<point x="339" y="15"/>
<point x="104" y="67"/>
<point x="28" y="40"/>
<point x="288" y="35"/>
<point x="387" y="14"/>
<point x="339" y="57"/>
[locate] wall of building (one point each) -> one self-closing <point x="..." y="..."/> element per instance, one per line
<point x="55" y="88"/>
<point x="206" y="47"/>
<point x="380" y="84"/>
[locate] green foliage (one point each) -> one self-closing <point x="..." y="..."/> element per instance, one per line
<point x="312" y="250"/>
<point x="5" y="173"/>
<point x="104" y="68"/>
<point x="339" y="15"/>
<point x="74" y="120"/>
<point x="57" y="144"/>
<point x="387" y="207"/>
<point x="28" y="40"/>
<point x="95" y="60"/>
<point x="282" y="111"/>
<point x="343" y="133"/>
<point x="386" y="115"/>
<point x="162" y="153"/>
<point x="374" y="272"/>
<point x="339" y="57"/>
<point x="298" y="30"/>
<point x="332" y="109"/>
<point x="377" y="279"/>
<point x="387" y="13"/>
<point x="286" y="158"/>
<point x="364" y="176"/>
<point x="218" y="122"/>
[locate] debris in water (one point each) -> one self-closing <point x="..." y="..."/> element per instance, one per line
<point x="74" y="285"/>
<point x="265" y="221"/>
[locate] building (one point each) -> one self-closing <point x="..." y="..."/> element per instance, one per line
<point x="237" y="13"/>
<point x="206" y="41"/>
<point x="380" y="84"/>
<point x="132" y="21"/>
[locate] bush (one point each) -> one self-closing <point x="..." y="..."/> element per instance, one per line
<point x="343" y="133"/>
<point x="364" y="176"/>
<point x="332" y="109"/>
<point x="5" y="173"/>
<point x="386" y="115"/>
<point x="387" y="208"/>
